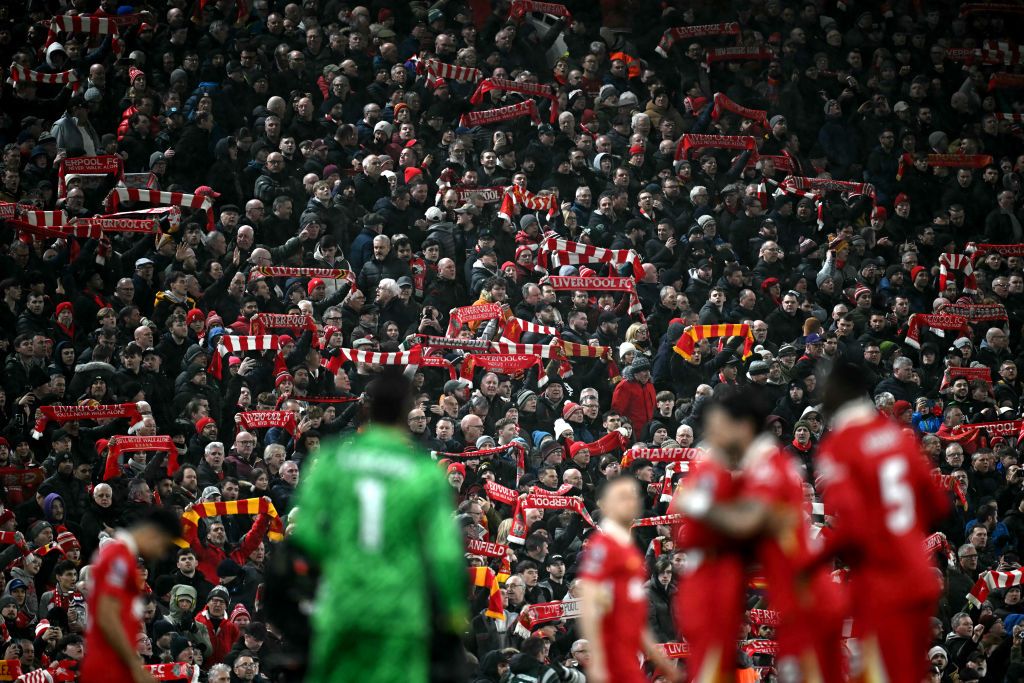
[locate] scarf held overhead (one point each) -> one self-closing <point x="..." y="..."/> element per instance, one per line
<point x="137" y="444"/>
<point x="504" y="85"/>
<point x="688" y="340"/>
<point x="62" y="414"/>
<point x="247" y="506"/>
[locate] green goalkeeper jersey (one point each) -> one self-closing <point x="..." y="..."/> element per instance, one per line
<point x="377" y="517"/>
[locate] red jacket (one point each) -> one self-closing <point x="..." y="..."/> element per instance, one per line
<point x="222" y="638"/>
<point x="635" y="401"/>
<point x="209" y="556"/>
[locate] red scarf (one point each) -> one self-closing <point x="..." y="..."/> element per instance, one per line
<point x="134" y="444"/>
<point x="802" y="449"/>
<point x="64" y="414"/>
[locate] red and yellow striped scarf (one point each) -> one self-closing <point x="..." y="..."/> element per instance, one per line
<point x="248" y="506"/>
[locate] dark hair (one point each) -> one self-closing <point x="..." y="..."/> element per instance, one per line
<point x="741" y="405"/>
<point x="161" y="519"/>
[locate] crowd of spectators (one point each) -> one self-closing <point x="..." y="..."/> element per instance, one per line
<point x="322" y="138"/>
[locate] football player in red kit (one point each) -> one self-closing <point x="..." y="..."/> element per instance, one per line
<point x="768" y="512"/>
<point x="712" y="587"/>
<point x="614" y="601"/>
<point x="115" y="605"/>
<point x="878" y="486"/>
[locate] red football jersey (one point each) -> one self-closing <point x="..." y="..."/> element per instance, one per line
<point x="114" y="573"/>
<point x="612" y="559"/>
<point x="710" y="599"/>
<point x="879" y="487"/>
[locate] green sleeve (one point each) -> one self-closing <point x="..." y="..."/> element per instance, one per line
<point x="444" y="550"/>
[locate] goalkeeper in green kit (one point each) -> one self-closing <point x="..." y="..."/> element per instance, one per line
<point x="376" y="516"/>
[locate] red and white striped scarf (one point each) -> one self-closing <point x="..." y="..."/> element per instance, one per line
<point x="62" y="414"/>
<point x="410" y="357"/>
<point x="438" y="362"/>
<point x="936" y="320"/>
<point x="558" y="251"/>
<point x="230" y="343"/>
<point x="114" y="224"/>
<point x="962" y="263"/>
<point x="545" y="351"/>
<point x="265" y="419"/>
<point x="519" y="9"/>
<point x="993" y="580"/>
<point x="39" y="217"/>
<point x="518" y="196"/>
<point x="532" y="89"/>
<point x="97" y="26"/>
<point x="670" y="36"/>
<point x="500" y="114"/>
<point x="20" y="73"/>
<point x="437" y="69"/>
<point x="724" y="104"/>
<point x="822" y="185"/>
<point x="435" y="343"/>
<point x="1005" y="250"/>
<point x="142" y="194"/>
<point x="608" y="284"/>
<point x="515" y="327"/>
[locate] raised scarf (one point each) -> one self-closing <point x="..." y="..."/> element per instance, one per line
<point x="952" y="374"/>
<point x="290" y="271"/>
<point x="231" y="343"/>
<point x="103" y="164"/>
<point x="945" y="161"/>
<point x="1005" y="250"/>
<point x="697" y="141"/>
<point x="516" y="196"/>
<point x="564" y="283"/>
<point x="62" y="414"/>
<point x="555" y="251"/>
<point x="519" y="9"/>
<point x="532" y="89"/>
<point x="662" y="455"/>
<point x="993" y="580"/>
<point x="660" y="520"/>
<point x="436" y="69"/>
<point x="937" y="320"/>
<point x="97" y="26"/>
<point x="134" y="444"/>
<point x="544" y="612"/>
<point x="500" y="114"/>
<point x="671" y="35"/>
<point x="174" y="671"/>
<point x="265" y="419"/>
<point x="484" y="577"/>
<point x="20" y="73"/>
<point x="962" y="263"/>
<point x="247" y="506"/>
<point x="736" y="54"/>
<point x="977" y="313"/>
<point x="724" y="104"/>
<point x="457" y="317"/>
<point x="1001" y="80"/>
<point x="687" y="342"/>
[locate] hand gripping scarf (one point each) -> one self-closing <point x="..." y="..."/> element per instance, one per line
<point x="688" y="340"/>
<point x="141" y="194"/>
<point x="410" y="357"/>
<point x="660" y="520"/>
<point x="766" y="617"/>
<point x="517" y="534"/>
<point x="261" y="322"/>
<point x="520" y="455"/>
<point x="247" y="506"/>
<point x="962" y="263"/>
<point x="484" y="577"/>
<point x="436" y="69"/>
<point x="515" y="327"/>
<point x="671" y="35"/>
<point x="62" y="414"/>
<point x="532" y="89"/>
<point x="101" y="224"/>
<point x="504" y="364"/>
<point x="977" y="313"/>
<point x="935" y="320"/>
<point x="20" y="73"/>
<point x="948" y="482"/>
<point x="491" y="116"/>
<point x="230" y="343"/>
<point x="136" y="444"/>
<point x="97" y="26"/>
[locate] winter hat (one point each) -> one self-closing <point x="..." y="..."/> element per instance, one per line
<point x="626" y="347"/>
<point x="282" y="377"/>
<point x="133" y="73"/>
<point x="640" y="363"/>
<point x="179" y="644"/>
<point x="937" y="650"/>
<point x="64" y="305"/>
<point x="914" y="271"/>
<point x="900" y="407"/>
<point x="484" y="441"/>
<point x="228" y="568"/>
<point x="67" y="541"/>
<point x="457" y="467"/>
<point x="523" y="396"/>
<point x="219" y="592"/>
<point x="202" y="422"/>
<point x="38" y="528"/>
<point x="209" y="492"/>
<point x="313" y="284"/>
<point x="41" y="627"/>
<point x="561" y="427"/>
<point x="569" y="408"/>
<point x="576" y="447"/>
<point x="861" y="289"/>
<point x="758" y="367"/>
<point x="239" y="610"/>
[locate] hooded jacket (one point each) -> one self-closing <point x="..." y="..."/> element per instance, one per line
<point x="184" y="622"/>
